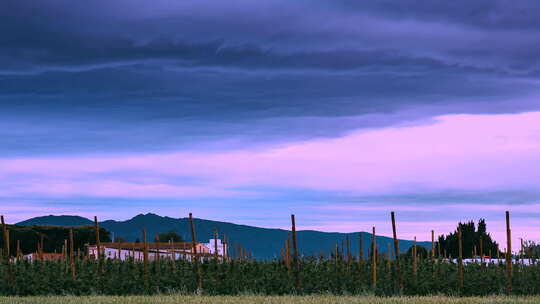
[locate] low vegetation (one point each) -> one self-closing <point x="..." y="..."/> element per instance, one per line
<point x="338" y="276"/>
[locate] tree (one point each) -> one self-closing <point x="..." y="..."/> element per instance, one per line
<point x="421" y="252"/>
<point x="471" y="236"/>
<point x="53" y="237"/>
<point x="531" y="249"/>
<point x="170" y="235"/>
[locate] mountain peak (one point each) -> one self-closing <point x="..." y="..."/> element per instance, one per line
<point x="57" y="220"/>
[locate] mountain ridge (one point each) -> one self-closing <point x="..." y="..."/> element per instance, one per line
<point x="264" y="243"/>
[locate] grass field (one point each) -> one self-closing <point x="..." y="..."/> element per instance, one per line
<point x="265" y="300"/>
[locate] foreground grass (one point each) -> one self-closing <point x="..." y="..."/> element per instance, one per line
<point x="170" y="299"/>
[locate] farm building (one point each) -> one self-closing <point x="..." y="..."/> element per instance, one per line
<point x="176" y="250"/>
<point x="44" y="256"/>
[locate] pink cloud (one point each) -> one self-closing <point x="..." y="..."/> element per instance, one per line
<point x="473" y="152"/>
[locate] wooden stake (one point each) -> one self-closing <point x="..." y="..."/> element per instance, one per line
<point x="342" y="252"/>
<point x="336" y="254"/>
<point x="158" y="255"/>
<point x="373" y="260"/>
<point x="414" y="257"/>
<point x="173" y="257"/>
<point x="521" y="251"/>
<point x="349" y="257"/>
<point x="481" y="250"/>
<point x="508" y="255"/>
<point x="5" y="234"/>
<point x="438" y="250"/>
<point x="41" y="246"/>
<point x="225" y="247"/>
<point x="145" y="259"/>
<point x="19" y="253"/>
<point x="432" y="244"/>
<point x="396" y="248"/>
<point x="296" y="261"/>
<point x="71" y="257"/>
<point x="195" y="256"/>
<point x="215" y="245"/>
<point x="98" y="241"/>
<point x="460" y="259"/>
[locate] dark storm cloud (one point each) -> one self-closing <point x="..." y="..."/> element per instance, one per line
<point x="136" y="75"/>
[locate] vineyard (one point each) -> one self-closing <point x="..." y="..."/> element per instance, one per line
<point x="339" y="273"/>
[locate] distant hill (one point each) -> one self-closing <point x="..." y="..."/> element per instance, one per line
<point x="57" y="220"/>
<point x="265" y="243"/>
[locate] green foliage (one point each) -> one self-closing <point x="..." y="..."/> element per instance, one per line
<point x="170" y="235"/>
<point x="421" y="252"/>
<point x="53" y="237"/>
<point x="470" y="239"/>
<point x="318" y="276"/>
<point x="531" y="249"/>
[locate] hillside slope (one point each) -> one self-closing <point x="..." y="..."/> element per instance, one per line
<point x="264" y="243"/>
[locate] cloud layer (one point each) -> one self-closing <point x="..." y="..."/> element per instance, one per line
<point x="482" y="164"/>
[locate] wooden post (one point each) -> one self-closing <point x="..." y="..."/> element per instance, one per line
<point x="19" y="252"/>
<point x="508" y="255"/>
<point x="373" y="260"/>
<point x="158" y="255"/>
<point x="6" y="252"/>
<point x="432" y="244"/>
<point x="438" y="250"/>
<point x="145" y="259"/>
<point x="460" y="259"/>
<point x="521" y="251"/>
<point x="216" y="255"/>
<point x="414" y="257"/>
<point x="173" y="257"/>
<point x="41" y="246"/>
<point x="71" y="257"/>
<point x="195" y="256"/>
<point x="348" y="254"/>
<point x="396" y="248"/>
<point x="336" y="254"/>
<point x="481" y="251"/>
<point x="296" y="261"/>
<point x="5" y="235"/>
<point x="8" y="245"/>
<point x="65" y="255"/>
<point x="98" y="241"/>
<point x="225" y="247"/>
<point x="342" y="252"/>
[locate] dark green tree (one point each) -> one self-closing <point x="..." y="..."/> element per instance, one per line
<point x="421" y="252"/>
<point x="170" y="235"/>
<point x="471" y="236"/>
<point x="53" y="237"/>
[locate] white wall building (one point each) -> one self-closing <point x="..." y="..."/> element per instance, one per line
<point x="212" y="244"/>
<point x="124" y="251"/>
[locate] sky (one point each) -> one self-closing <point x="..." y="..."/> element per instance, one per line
<point x="247" y="111"/>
